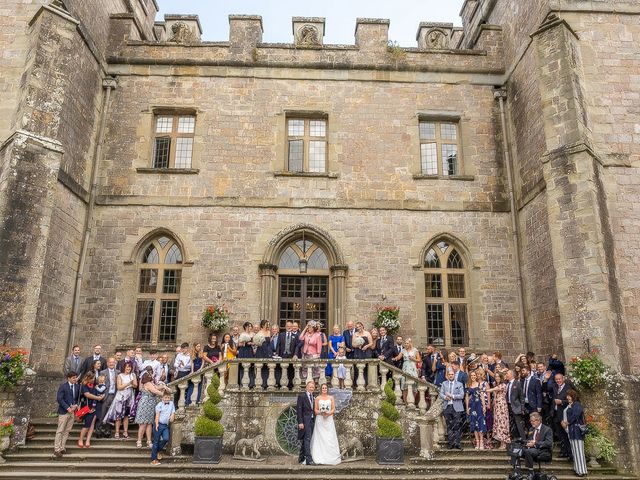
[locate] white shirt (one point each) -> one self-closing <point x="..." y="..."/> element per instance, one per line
<point x="153" y="363"/>
<point x="182" y="362"/>
<point x="157" y="373"/>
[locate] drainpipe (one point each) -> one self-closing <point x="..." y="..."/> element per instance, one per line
<point x="108" y="84"/>
<point x="501" y="95"/>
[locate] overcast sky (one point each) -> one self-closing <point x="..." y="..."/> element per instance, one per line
<point x="405" y="15"/>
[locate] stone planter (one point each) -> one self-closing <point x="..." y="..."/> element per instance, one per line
<point x="207" y="450"/>
<point x="4" y="445"/>
<point x="390" y="451"/>
<point x="593" y="452"/>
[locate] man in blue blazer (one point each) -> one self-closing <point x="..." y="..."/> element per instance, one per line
<point x="532" y="390"/>
<point x="452" y="394"/>
<point x="67" y="398"/>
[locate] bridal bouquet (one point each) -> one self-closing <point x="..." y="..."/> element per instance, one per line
<point x="325" y="408"/>
<point x="358" y="342"/>
<point x="258" y="339"/>
<point x="244" y="338"/>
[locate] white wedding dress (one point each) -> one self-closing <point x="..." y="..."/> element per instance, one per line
<point x="324" y="441"/>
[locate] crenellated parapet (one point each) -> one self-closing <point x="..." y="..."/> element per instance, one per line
<point x="179" y="43"/>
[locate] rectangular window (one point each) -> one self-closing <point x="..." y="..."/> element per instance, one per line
<point x="173" y="142"/>
<point x="433" y="285"/>
<point x="148" y="280"/>
<point x="458" y="318"/>
<point x="171" y="284"/>
<point x="435" y="323"/>
<point x="307" y="145"/>
<point x="168" y="321"/>
<point x="144" y="320"/>
<point x="439" y="147"/>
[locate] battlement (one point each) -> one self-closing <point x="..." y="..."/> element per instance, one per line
<point x="179" y="41"/>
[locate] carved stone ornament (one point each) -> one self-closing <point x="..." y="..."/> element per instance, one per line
<point x="308" y="36"/>
<point x="435" y="40"/>
<point x="181" y="33"/>
<point x="351" y="450"/>
<point x="249" y="449"/>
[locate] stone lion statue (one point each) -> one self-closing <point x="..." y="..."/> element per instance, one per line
<point x="308" y="35"/>
<point x="435" y="39"/>
<point x="252" y="445"/>
<point x="181" y="33"/>
<point x="351" y="449"/>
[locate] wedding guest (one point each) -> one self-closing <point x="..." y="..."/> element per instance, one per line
<point x="441" y="368"/>
<point x="163" y="372"/>
<point x="500" y="365"/>
<point x="139" y="361"/>
<point x="476" y="410"/>
<point x="539" y="444"/>
<point x="335" y="341"/>
<point x="374" y="339"/>
<point x="397" y="358"/>
<point x="286" y="349"/>
<point x="462" y="359"/>
<point x="129" y="357"/>
<point x="196" y="364"/>
<point x="182" y="362"/>
<point x="67" y="398"/>
<point x="559" y="403"/>
<point x="452" y="395"/>
<point x="165" y="415"/>
<point x="361" y="348"/>
<point x="228" y="350"/>
<point x="212" y="353"/>
<point x="384" y="347"/>
<point x="348" y="335"/>
<point x="515" y="400"/>
<point x="342" y="371"/>
<point x="312" y="346"/>
<point x="485" y="365"/>
<point x="458" y="374"/>
<point x="532" y="391"/>
<point x="117" y="356"/>
<point x="73" y="362"/>
<point x="500" y="412"/>
<point x="123" y="401"/>
<point x="262" y="342"/>
<point x="110" y="373"/>
<point x="235" y="335"/>
<point x="410" y="357"/>
<point x="89" y="361"/>
<point x="256" y="328"/>
<point x="274" y="338"/>
<point x="573" y="418"/>
<point x="146" y="407"/>
<point x="429" y="360"/>
<point x="90" y="398"/>
<point x="245" y="351"/>
<point x="488" y="416"/>
<point x="95" y="370"/>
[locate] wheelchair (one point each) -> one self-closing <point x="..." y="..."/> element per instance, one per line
<point x="515" y="451"/>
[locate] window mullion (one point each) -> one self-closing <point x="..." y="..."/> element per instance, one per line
<point x="155" y="326"/>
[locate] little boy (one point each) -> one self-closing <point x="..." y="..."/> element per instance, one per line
<point x="165" y="414"/>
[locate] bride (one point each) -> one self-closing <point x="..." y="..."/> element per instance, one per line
<point x="324" y="442"/>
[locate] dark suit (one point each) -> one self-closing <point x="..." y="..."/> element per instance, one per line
<point x="283" y="352"/>
<point x="396" y="351"/>
<point x="541" y="450"/>
<point x="532" y="394"/>
<point x="557" y="411"/>
<point x="305" y="415"/>
<point x="515" y="399"/>
<point x="72" y="364"/>
<point x="67" y="396"/>
<point x="88" y="362"/>
<point x="348" y="345"/>
<point x="386" y="349"/>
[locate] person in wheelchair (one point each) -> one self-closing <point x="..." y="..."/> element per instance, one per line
<point x="537" y="448"/>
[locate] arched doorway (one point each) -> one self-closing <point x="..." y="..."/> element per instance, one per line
<point x="303" y="278"/>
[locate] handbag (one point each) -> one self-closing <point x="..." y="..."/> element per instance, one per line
<point x="82" y="412"/>
<point x="584" y="429"/>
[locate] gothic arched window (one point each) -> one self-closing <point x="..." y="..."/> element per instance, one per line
<point x="446" y="295"/>
<point x="158" y="295"/>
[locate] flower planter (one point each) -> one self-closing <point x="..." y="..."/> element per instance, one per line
<point x="390" y="451"/>
<point x="207" y="450"/>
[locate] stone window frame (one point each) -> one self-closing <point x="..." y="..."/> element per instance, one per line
<point x="174" y="135"/>
<point x="307" y="138"/>
<point x="159" y="296"/>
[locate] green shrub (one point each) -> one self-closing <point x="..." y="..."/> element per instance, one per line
<point x="208" y="424"/>
<point x="390" y="411"/>
<point x="387" y="426"/>
<point x="388" y="429"/>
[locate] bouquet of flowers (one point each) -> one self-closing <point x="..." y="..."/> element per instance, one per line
<point x="387" y="317"/>
<point x="358" y="342"/>
<point x="13" y="362"/>
<point x="244" y="338"/>
<point x="215" y="318"/>
<point x="6" y="428"/>
<point x="325" y="408"/>
<point x="258" y="339"/>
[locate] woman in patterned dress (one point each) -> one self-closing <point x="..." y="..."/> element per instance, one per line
<point x="126" y="382"/>
<point x="500" y="412"/>
<point x="146" y="413"/>
<point x="476" y="410"/>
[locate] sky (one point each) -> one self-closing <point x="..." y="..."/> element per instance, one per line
<point x="405" y="16"/>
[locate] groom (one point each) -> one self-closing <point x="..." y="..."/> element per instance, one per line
<point x="306" y="420"/>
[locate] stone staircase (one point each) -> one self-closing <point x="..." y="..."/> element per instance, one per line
<point x="116" y="459"/>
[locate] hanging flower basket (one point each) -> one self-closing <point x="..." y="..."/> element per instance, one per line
<point x="13" y="362"/>
<point x="215" y="318"/>
<point x="388" y="316"/>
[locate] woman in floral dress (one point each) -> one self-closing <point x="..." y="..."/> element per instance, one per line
<point x="484" y="386"/>
<point x="146" y="413"/>
<point x="410" y="358"/>
<point x="500" y="412"/>
<point x="120" y="409"/>
<point x="476" y="410"/>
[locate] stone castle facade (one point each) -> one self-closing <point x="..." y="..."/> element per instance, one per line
<point x="486" y="181"/>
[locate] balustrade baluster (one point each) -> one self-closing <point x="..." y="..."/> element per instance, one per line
<point x="384" y="371"/>
<point x="221" y="374"/>
<point x="233" y="375"/>
<point x="194" y="395"/>
<point x="297" y="379"/>
<point x="372" y="376"/>
<point x="245" y="375"/>
<point x="323" y="374"/>
<point x="182" y="387"/>
<point x="271" y="381"/>
<point x="360" y="382"/>
<point x="258" y="374"/>
<point x="411" y="399"/>
<point x="335" y="382"/>
<point x="348" y="383"/>
<point x="397" y="390"/>
<point x="206" y="379"/>
<point x="309" y="375"/>
<point x="422" y="402"/>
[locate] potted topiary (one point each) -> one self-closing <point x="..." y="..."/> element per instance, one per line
<point x="208" y="429"/>
<point x="390" y="444"/>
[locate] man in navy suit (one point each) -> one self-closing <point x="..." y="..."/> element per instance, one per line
<point x="532" y="390"/>
<point x="459" y="375"/>
<point x="67" y="398"/>
<point x="287" y="344"/>
<point x="306" y="419"/>
<point x="384" y="347"/>
<point x="348" y="338"/>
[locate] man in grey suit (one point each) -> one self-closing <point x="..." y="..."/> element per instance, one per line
<point x="73" y="362"/>
<point x="452" y="394"/>
<point x="515" y="400"/>
<point x="110" y="373"/>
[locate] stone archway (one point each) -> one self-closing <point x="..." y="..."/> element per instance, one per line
<point x="269" y="270"/>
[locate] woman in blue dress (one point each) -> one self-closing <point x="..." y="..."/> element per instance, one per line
<point x="262" y="341"/>
<point x="196" y="364"/>
<point x="476" y="410"/>
<point x="245" y="350"/>
<point x="334" y="343"/>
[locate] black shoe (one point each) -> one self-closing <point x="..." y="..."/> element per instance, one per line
<point x="458" y="448"/>
<point x="311" y="464"/>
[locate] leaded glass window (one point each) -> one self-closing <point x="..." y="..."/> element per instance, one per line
<point x="173" y="141"/>
<point x="439" y="142"/>
<point x="307" y="145"/>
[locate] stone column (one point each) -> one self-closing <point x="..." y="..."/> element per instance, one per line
<point x="267" y="291"/>
<point x="338" y="293"/>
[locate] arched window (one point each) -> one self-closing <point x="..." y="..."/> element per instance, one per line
<point x="158" y="296"/>
<point x="446" y="295"/>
